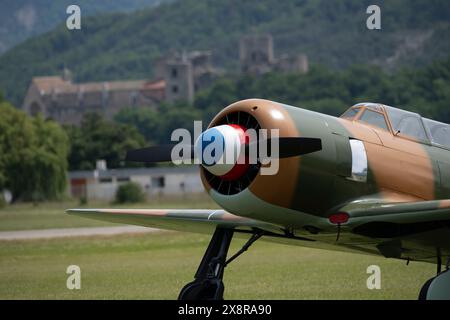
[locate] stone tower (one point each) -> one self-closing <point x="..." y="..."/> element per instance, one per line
<point x="256" y="54"/>
<point x="178" y="75"/>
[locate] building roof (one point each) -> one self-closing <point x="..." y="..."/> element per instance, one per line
<point x="128" y="172"/>
<point x="56" y="84"/>
<point x="47" y="84"/>
<point x="155" y="85"/>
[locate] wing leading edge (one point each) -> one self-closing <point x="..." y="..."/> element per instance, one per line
<point x="190" y="220"/>
<point x="401" y="212"/>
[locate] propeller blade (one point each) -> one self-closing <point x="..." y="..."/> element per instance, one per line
<point x="292" y="146"/>
<point x="161" y="153"/>
<point x="288" y="147"/>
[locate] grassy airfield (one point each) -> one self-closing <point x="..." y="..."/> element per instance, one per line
<point x="157" y="265"/>
<point x="48" y="215"/>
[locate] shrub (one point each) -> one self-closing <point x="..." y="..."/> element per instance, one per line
<point x="130" y="192"/>
<point x="83" y="201"/>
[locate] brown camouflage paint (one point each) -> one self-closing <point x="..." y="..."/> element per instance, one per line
<point x="394" y="196"/>
<point x="444" y="204"/>
<point x="400" y="165"/>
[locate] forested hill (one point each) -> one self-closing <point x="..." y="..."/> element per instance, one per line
<point x="332" y="33"/>
<point x="21" y="19"/>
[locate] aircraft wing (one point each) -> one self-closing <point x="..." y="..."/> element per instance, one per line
<point x="403" y="213"/>
<point x="406" y="230"/>
<point x="191" y="220"/>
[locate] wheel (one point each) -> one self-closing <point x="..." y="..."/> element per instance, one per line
<point x="424" y="291"/>
<point x="437" y="288"/>
<point x="210" y="289"/>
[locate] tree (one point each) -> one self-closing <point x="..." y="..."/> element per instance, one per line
<point x="146" y="120"/>
<point x="33" y="155"/>
<point x="98" y="138"/>
<point x="157" y="126"/>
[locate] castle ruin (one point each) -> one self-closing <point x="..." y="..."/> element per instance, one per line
<point x="178" y="77"/>
<point x="256" y="55"/>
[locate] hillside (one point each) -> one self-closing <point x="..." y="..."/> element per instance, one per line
<point x="21" y="19"/>
<point x="113" y="46"/>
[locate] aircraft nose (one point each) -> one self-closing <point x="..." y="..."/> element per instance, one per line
<point x="220" y="147"/>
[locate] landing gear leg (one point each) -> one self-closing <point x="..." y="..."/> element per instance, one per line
<point x="208" y="284"/>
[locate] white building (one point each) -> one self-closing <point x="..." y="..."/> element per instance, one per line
<point x="102" y="184"/>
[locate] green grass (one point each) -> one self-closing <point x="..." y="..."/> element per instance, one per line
<point x="156" y="266"/>
<point x="26" y="216"/>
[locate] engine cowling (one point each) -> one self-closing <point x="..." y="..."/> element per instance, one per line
<point x="259" y="196"/>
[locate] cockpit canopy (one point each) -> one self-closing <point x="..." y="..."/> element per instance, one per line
<point x="401" y="123"/>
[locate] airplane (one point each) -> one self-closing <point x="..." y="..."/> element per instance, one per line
<point x="375" y="180"/>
